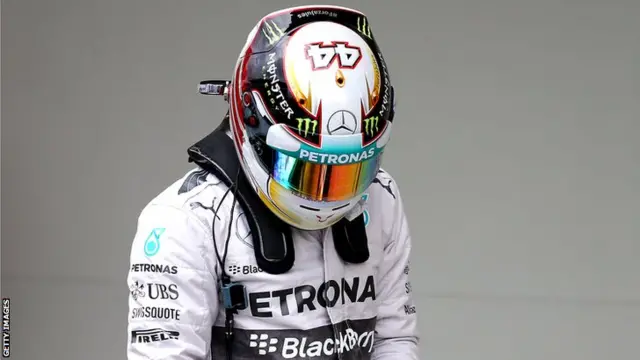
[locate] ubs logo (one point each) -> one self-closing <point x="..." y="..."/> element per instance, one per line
<point x="154" y="291"/>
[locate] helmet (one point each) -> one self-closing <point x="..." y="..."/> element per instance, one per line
<point x="311" y="106"/>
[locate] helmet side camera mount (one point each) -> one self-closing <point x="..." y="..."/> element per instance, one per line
<point x="215" y="87"/>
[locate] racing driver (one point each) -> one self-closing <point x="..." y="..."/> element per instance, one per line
<point x="287" y="241"/>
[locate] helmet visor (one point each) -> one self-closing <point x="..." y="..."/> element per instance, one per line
<point x="323" y="182"/>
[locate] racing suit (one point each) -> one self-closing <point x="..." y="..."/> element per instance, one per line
<point x="323" y="308"/>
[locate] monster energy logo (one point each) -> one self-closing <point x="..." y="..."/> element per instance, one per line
<point x="306" y="123"/>
<point x="371" y="125"/>
<point x="363" y="27"/>
<point x="272" y="32"/>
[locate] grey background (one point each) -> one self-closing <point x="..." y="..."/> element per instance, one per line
<point x="516" y="147"/>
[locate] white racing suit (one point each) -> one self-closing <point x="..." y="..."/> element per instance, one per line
<point x="366" y="312"/>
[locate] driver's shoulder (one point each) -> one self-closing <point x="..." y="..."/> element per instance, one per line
<point x="196" y="195"/>
<point x="383" y="191"/>
<point x="382" y="204"/>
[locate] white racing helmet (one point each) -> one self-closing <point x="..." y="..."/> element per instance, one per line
<point x="311" y="108"/>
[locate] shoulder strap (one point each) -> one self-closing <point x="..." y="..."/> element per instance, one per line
<point x="350" y="240"/>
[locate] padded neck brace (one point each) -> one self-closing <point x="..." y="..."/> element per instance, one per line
<point x="272" y="237"/>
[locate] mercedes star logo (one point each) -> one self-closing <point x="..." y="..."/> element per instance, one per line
<point x="342" y="122"/>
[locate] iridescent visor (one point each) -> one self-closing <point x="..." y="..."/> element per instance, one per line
<point x="322" y="182"/>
